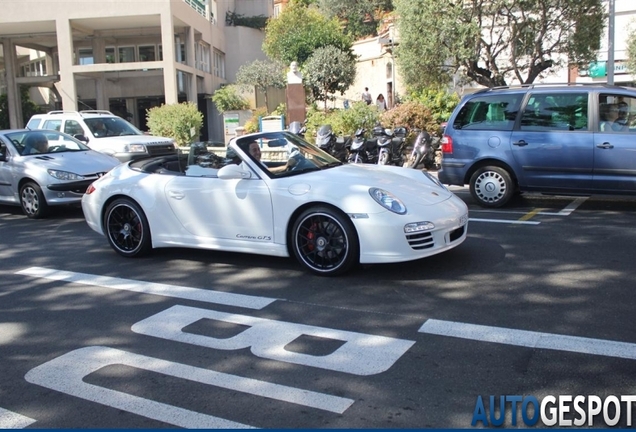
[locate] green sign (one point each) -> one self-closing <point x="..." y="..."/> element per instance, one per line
<point x="597" y="69"/>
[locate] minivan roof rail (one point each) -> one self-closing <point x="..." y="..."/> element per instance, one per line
<point x="539" y="85"/>
<point x="96" y="112"/>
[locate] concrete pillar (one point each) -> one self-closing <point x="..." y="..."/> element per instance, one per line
<point x="191" y="81"/>
<point x="66" y="86"/>
<point x="14" y="100"/>
<point x="169" y="68"/>
<point x="99" y="56"/>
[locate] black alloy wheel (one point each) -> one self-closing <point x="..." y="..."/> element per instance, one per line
<point x="325" y="242"/>
<point x="127" y="228"/>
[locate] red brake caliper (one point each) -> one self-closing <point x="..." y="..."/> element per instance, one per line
<point x="311" y="235"/>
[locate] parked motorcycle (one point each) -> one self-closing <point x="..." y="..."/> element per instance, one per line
<point x="298" y="128"/>
<point x="327" y="140"/>
<point x="391" y="147"/>
<point x="356" y="149"/>
<point x="426" y="152"/>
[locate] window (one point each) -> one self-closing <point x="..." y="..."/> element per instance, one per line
<point x="616" y="113"/>
<point x="110" y="55"/>
<point x="219" y="64"/>
<point x="496" y="112"/>
<point x="555" y="111"/>
<point x="146" y="53"/>
<point x="126" y="54"/>
<point x="72" y="127"/>
<point x="203" y="57"/>
<point x="52" y="125"/>
<point x="85" y="56"/>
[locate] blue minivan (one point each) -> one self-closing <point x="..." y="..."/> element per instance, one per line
<point x="555" y="139"/>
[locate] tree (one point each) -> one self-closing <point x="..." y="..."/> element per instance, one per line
<point x="299" y="31"/>
<point x="494" y="41"/>
<point x="631" y="52"/>
<point x="181" y="122"/>
<point x="28" y="107"/>
<point x="262" y="75"/>
<point x="360" y="17"/>
<point x="327" y="71"/>
<point x="228" y="99"/>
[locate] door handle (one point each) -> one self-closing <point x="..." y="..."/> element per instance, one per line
<point x="178" y="195"/>
<point x="520" y="143"/>
<point x="605" y="145"/>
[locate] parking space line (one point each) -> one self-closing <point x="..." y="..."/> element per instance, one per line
<point x="518" y="222"/>
<point x="569" y="208"/>
<point x="530" y="339"/>
<point x="530" y="214"/>
<point x="11" y="420"/>
<point x="66" y="374"/>
<point x="197" y="294"/>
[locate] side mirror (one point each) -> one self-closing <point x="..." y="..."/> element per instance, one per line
<point x="81" y="138"/>
<point x="230" y="172"/>
<point x="3" y="154"/>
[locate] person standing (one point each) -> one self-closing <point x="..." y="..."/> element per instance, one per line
<point x="380" y="102"/>
<point x="366" y="96"/>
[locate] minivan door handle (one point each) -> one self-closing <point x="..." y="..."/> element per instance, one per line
<point x="520" y="143"/>
<point x="605" y="145"/>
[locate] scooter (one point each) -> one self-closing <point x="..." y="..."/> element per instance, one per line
<point x="356" y="149"/>
<point x="391" y="145"/>
<point x="425" y="152"/>
<point x="298" y="128"/>
<point x="327" y="140"/>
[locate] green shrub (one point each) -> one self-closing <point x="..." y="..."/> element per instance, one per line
<point x="412" y="115"/>
<point x="344" y="122"/>
<point x="251" y="125"/>
<point x="440" y="102"/>
<point x="228" y="99"/>
<point x="181" y="122"/>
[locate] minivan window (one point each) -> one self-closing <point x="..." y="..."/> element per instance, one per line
<point x="33" y="123"/>
<point x="616" y="113"/>
<point x="52" y="125"/>
<point x="491" y="112"/>
<point x="555" y="111"/>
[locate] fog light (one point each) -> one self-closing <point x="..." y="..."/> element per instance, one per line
<point x="418" y="226"/>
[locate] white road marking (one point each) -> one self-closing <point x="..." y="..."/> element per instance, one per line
<point x="197" y="294"/>
<point x="65" y="374"/>
<point x="569" y="209"/>
<point x="518" y="222"/>
<point x="530" y="339"/>
<point x="362" y="354"/>
<point x="11" y="420"/>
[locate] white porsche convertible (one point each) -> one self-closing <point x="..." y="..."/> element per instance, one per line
<point x="298" y="201"/>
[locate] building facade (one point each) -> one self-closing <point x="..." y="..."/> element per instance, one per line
<point x="125" y="56"/>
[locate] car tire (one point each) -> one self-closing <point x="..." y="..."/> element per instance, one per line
<point x="127" y="229"/>
<point x="32" y="201"/>
<point x="491" y="186"/>
<point x="325" y="242"/>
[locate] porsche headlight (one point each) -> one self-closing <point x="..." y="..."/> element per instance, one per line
<point x="65" y="175"/>
<point x="136" y="148"/>
<point x="387" y="200"/>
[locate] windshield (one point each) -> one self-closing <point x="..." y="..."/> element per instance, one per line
<point x="110" y="126"/>
<point x="39" y="142"/>
<point x="284" y="153"/>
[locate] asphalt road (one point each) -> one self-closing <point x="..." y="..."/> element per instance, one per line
<point x="538" y="301"/>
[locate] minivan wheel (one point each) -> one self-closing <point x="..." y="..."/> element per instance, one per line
<point x="491" y="186"/>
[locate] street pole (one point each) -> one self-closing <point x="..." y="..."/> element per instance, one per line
<point x="610" y="44"/>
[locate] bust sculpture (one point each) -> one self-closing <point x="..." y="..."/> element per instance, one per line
<point x="294" y="76"/>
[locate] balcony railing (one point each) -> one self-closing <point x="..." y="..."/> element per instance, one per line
<point x="199" y="6"/>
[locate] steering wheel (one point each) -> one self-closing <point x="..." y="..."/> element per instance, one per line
<point x="53" y="149"/>
<point x="294" y="162"/>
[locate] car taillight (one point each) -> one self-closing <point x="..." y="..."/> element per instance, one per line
<point x="90" y="189"/>
<point x="447" y="144"/>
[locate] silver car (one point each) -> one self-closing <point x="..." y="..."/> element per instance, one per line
<point x="42" y="168"/>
